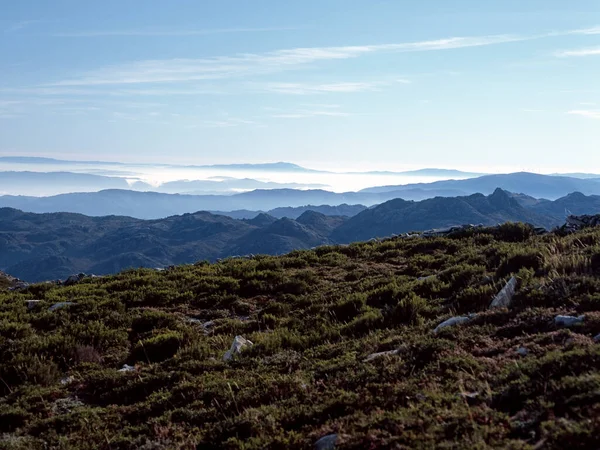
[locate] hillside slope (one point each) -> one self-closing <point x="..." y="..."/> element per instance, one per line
<point x="399" y="216"/>
<point x="343" y="350"/>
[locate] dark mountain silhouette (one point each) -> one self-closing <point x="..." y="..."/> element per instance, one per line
<point x="38" y="247"/>
<point x="400" y="216"/>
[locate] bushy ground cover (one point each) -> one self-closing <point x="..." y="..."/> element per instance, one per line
<point x="508" y="378"/>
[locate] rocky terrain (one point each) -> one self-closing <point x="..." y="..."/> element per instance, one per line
<point x="474" y="338"/>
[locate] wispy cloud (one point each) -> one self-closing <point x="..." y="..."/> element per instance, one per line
<point x="20" y="25"/>
<point x="589" y="51"/>
<point x="180" y="70"/>
<point x="303" y="114"/>
<point x="167" y="33"/>
<point x="307" y="89"/>
<point x="592" y="114"/>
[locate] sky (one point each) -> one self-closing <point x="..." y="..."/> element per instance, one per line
<point x="332" y="84"/>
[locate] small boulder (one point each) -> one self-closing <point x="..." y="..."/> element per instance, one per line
<point x="597" y="338"/>
<point x="60" y="305"/>
<point x="126" y="368"/>
<point x="32" y="303"/>
<point x="505" y="296"/>
<point x="373" y="356"/>
<point x="453" y="321"/>
<point x="522" y="351"/>
<point x="326" y="442"/>
<point x="568" y="321"/>
<point x="236" y="347"/>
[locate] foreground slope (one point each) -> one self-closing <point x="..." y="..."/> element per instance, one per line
<point x="507" y="378"/>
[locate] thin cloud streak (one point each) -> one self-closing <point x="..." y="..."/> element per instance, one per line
<point x="180" y="70"/>
<point x="167" y="33"/>
<point x="592" y="114"/>
<point x="590" y="51"/>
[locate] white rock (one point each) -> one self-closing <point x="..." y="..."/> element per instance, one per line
<point x="505" y="296"/>
<point x="326" y="442"/>
<point x="236" y="347"/>
<point x="568" y="321"/>
<point x="453" y="321"/>
<point x="60" y="305"/>
<point x="126" y="368"/>
<point x="373" y="356"/>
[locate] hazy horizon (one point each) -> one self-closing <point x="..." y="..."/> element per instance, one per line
<point x="495" y="87"/>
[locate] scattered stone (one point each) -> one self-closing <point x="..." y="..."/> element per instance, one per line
<point x="522" y="351"/>
<point x="74" y="279"/>
<point x="64" y="406"/>
<point x="505" y="296"/>
<point x="32" y="303"/>
<point x="446" y="231"/>
<point x="454" y="321"/>
<point x="576" y="223"/>
<point x="193" y="320"/>
<point x="429" y="277"/>
<point x="60" y="305"/>
<point x="326" y="442"/>
<point x="469" y="395"/>
<point x="373" y="356"/>
<point x="568" y="321"/>
<point x="126" y="368"/>
<point x="236" y="347"/>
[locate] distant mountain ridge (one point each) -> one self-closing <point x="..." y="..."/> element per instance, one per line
<point x="152" y="205"/>
<point x="39" y="247"/>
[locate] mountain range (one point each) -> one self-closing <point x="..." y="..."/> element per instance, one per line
<point x="153" y="205"/>
<point x="38" y="247"/>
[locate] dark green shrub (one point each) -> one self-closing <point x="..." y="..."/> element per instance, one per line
<point x="157" y="348"/>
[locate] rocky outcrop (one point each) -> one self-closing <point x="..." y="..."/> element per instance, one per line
<point x="236" y="347"/>
<point x="576" y="223"/>
<point x="505" y="296"/>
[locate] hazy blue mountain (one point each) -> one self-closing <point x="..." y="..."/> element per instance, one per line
<point x="544" y="186"/>
<point x="295" y="212"/>
<point x="151" y="205"/>
<point x="48" y="183"/>
<point x="437" y="173"/>
<point x="49" y="246"/>
<point x="575" y="203"/>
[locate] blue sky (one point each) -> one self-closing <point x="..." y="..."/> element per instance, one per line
<point x="378" y="84"/>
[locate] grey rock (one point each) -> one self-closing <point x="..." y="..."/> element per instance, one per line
<point x="236" y="347"/>
<point x="576" y="223"/>
<point x="429" y="277"/>
<point x="64" y="406"/>
<point x="32" y="303"/>
<point x="568" y="321"/>
<point x="597" y="338"/>
<point x="522" y="351"/>
<point x="60" y="305"/>
<point x="373" y="356"/>
<point x="326" y="442"/>
<point x="454" y="321"/>
<point x="505" y="296"/>
<point x="126" y="368"/>
<point x="74" y="279"/>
